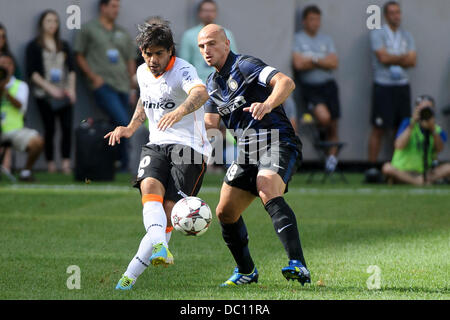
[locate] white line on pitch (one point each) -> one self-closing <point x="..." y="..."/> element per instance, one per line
<point x="208" y="189"/>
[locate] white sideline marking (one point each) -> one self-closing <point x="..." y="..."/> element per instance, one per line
<point x="305" y="191"/>
<point x="68" y="187"/>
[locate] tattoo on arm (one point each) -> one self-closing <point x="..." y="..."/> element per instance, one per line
<point x="139" y="113"/>
<point x="194" y="101"/>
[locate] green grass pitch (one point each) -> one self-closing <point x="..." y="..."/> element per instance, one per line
<point x="56" y="223"/>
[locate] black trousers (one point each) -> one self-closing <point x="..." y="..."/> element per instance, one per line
<point x="49" y="117"/>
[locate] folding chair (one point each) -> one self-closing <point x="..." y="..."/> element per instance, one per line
<point x="309" y="128"/>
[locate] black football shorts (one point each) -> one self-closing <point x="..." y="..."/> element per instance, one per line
<point x="177" y="167"/>
<point x="284" y="161"/>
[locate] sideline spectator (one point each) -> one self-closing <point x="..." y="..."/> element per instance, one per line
<point x="419" y="140"/>
<point x="4" y="48"/>
<point x="394" y="52"/>
<point x="13" y="106"/>
<point x="106" y="54"/>
<point x="314" y="56"/>
<point x="50" y="67"/>
<point x="207" y="14"/>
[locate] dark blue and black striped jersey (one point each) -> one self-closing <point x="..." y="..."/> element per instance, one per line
<point x="242" y="81"/>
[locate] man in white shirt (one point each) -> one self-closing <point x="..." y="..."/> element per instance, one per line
<point x="172" y="96"/>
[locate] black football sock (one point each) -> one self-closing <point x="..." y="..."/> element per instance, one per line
<point x="236" y="238"/>
<point x="285" y="224"/>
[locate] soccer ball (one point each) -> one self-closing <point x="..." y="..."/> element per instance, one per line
<point x="191" y="216"/>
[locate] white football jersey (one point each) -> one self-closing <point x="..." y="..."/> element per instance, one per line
<point x="163" y="94"/>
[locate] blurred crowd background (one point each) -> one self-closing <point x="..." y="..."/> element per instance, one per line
<point x="265" y="29"/>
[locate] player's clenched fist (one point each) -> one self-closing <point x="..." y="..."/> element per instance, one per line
<point x="119" y="132"/>
<point x="258" y="110"/>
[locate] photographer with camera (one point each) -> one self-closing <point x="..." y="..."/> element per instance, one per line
<point x="419" y="140"/>
<point x="13" y="105"/>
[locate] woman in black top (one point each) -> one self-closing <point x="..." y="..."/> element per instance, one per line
<point x="50" y="68"/>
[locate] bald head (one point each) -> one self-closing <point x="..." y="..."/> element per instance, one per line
<point x="214" y="45"/>
<point x="213" y="30"/>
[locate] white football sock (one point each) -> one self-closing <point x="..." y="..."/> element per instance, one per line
<point x="140" y="261"/>
<point x="155" y="221"/>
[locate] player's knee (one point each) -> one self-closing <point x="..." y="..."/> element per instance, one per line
<point x="268" y="194"/>
<point x="145" y="186"/>
<point x="225" y="215"/>
<point x="220" y="213"/>
<point x="268" y="190"/>
<point x="265" y="196"/>
<point x="152" y="186"/>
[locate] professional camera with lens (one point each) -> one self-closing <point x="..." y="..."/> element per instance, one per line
<point x="426" y="114"/>
<point x="3" y="73"/>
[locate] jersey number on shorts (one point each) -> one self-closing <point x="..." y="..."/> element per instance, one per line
<point x="144" y="163"/>
<point x="232" y="171"/>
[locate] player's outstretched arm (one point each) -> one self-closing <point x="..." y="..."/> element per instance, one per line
<point x="126" y="132"/>
<point x="282" y="87"/>
<point x="196" y="98"/>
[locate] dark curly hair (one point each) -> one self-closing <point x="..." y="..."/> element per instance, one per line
<point x="155" y="34"/>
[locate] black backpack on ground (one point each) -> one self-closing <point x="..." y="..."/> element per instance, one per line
<point x="94" y="159"/>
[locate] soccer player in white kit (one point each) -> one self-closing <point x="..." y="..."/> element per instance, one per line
<point x="173" y="162"/>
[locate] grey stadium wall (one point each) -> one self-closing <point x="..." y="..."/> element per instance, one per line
<point x="265" y="28"/>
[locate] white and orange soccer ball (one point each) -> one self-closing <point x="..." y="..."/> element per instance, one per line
<point x="191" y="216"/>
